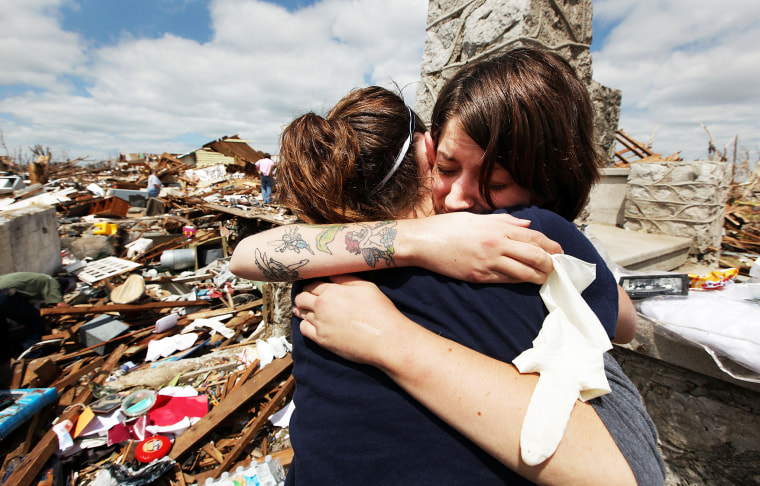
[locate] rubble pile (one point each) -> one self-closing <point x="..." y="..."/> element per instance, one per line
<point x="158" y="339"/>
<point x="741" y="238"/>
<point x="163" y="367"/>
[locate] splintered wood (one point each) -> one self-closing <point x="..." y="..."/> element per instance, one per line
<point x="743" y="228"/>
<point x="234" y="432"/>
<point x="635" y="151"/>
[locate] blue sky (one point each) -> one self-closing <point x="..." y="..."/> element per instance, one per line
<point x="102" y="21"/>
<point x="94" y="78"/>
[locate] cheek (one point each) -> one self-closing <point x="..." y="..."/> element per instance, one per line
<point x="515" y="197"/>
<point x="440" y="191"/>
<point x="440" y="188"/>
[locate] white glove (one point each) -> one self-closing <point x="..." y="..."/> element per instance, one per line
<point x="568" y="354"/>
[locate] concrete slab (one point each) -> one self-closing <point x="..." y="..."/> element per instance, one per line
<point x="29" y="240"/>
<point x="640" y="251"/>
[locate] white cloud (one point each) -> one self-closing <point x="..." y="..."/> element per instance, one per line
<point x="677" y="62"/>
<point x="35" y="51"/>
<point x="263" y="66"/>
<point x="682" y="62"/>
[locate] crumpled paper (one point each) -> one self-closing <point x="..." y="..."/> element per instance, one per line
<point x="214" y="323"/>
<point x="161" y="348"/>
<point x="568" y="353"/>
<point x="274" y="347"/>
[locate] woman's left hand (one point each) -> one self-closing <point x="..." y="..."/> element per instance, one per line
<point x="349" y="316"/>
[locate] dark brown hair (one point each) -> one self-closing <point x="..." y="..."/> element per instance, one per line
<point x="330" y="168"/>
<point x="531" y="114"/>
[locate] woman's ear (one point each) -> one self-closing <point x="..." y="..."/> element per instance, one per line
<point x="430" y="150"/>
<point x="421" y="156"/>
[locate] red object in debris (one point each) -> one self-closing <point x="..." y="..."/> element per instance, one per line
<point x="152" y="448"/>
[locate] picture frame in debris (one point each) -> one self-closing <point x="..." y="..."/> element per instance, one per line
<point x="643" y="286"/>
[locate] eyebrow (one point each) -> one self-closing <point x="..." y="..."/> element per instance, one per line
<point x="445" y="155"/>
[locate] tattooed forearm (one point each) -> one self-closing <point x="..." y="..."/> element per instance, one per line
<point x="374" y="242"/>
<point x="275" y="271"/>
<point x="327" y="236"/>
<point x="292" y="240"/>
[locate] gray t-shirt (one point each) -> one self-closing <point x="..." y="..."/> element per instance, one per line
<point x="624" y="415"/>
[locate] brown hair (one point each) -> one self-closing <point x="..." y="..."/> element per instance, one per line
<point x="330" y="168"/>
<point x="531" y="114"/>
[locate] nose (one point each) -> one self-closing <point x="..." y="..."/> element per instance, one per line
<point x="463" y="196"/>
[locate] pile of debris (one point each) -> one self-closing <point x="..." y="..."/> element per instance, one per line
<point x="159" y="339"/>
<point x="741" y="238"/>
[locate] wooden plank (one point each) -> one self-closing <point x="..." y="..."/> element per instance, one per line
<point x="101" y="309"/>
<point x="74" y="376"/>
<point x="251" y="214"/>
<point x="30" y="467"/>
<point x="285" y="456"/>
<point x="213" y="452"/>
<point x="84" y="352"/>
<point x="271" y="407"/>
<point x="179" y="476"/>
<point x="632" y="144"/>
<point x="246" y="374"/>
<point x="67" y="397"/>
<point x="228" y="406"/>
<point x="110" y="364"/>
<point x="40" y="373"/>
<point x="251" y="431"/>
<point x="18" y="369"/>
<point x="29" y="440"/>
<point x="205" y="314"/>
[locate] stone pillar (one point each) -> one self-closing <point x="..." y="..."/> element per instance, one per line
<point x="462" y="31"/>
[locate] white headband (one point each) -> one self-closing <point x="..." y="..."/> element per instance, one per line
<point x="401" y="154"/>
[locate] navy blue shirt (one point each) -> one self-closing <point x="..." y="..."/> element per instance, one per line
<point x="354" y="426"/>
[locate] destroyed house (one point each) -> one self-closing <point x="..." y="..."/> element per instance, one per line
<point x="228" y="151"/>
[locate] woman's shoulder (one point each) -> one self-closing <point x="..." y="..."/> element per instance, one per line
<point x="554" y="226"/>
<point x="541" y="219"/>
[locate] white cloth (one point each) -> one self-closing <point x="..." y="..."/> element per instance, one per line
<point x="723" y="322"/>
<point x="569" y="355"/>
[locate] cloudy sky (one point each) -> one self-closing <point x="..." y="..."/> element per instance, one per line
<point x="95" y="78"/>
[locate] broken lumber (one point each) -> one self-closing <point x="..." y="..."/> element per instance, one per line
<point x="101" y="309"/>
<point x="230" y="404"/>
<point x="32" y="464"/>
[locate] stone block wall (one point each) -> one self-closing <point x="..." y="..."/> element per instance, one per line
<point x="680" y="199"/>
<point x="708" y="427"/>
